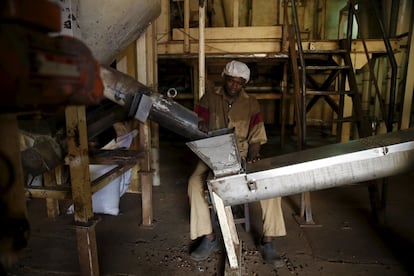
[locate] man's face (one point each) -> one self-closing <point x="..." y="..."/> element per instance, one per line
<point x="234" y="85"/>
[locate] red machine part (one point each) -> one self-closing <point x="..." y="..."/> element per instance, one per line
<point x="41" y="71"/>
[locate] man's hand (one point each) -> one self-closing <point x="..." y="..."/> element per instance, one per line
<point x="254" y="153"/>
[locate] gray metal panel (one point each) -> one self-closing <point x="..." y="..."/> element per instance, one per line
<point x="320" y="168"/>
<point x="144" y="108"/>
<point x="220" y="153"/>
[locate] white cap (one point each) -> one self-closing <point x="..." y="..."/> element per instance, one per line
<point x="237" y="69"/>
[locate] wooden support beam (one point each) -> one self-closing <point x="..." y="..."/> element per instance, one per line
<point x="409" y="87"/>
<point x="146" y="189"/>
<point x="105" y="179"/>
<point x="163" y="22"/>
<point x="55" y="192"/>
<point x="78" y="160"/>
<point x="227" y="229"/>
<point x="145" y="74"/>
<point x="152" y="81"/>
<point x="223" y="47"/>
<point x="186" y="26"/>
<point x="87" y="249"/>
<point x="236" y="5"/>
<point x="60" y="192"/>
<point x="236" y="33"/>
<point x="145" y="173"/>
<point x="52" y="205"/>
<point x="135" y="185"/>
<point x="229" y="271"/>
<point x="115" y="156"/>
<point x="222" y="42"/>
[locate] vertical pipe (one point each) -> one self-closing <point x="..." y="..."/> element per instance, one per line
<point x="201" y="48"/>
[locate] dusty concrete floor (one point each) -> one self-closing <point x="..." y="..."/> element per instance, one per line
<point x="346" y="241"/>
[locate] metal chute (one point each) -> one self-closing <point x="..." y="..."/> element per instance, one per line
<point x="320" y="168"/>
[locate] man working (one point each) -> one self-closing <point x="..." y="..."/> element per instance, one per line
<point x="231" y="107"/>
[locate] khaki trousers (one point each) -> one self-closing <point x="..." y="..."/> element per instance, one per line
<point x="200" y="220"/>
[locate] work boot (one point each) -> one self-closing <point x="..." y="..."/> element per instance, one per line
<point x="269" y="255"/>
<point x="204" y="249"/>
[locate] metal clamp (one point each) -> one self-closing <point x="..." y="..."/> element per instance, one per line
<point x="172" y="92"/>
<point x="251" y="184"/>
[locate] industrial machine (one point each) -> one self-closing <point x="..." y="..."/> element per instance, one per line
<point x="319" y="168"/>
